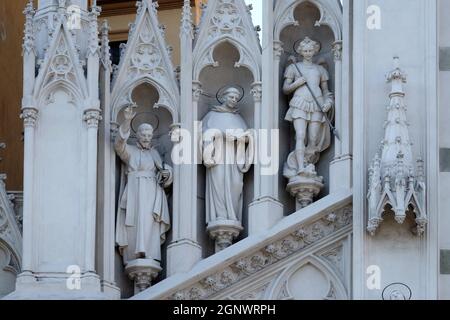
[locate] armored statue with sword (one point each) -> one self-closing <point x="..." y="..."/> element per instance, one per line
<point x="311" y="110"/>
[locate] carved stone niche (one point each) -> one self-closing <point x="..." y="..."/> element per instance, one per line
<point x="225" y="70"/>
<point x="290" y="28"/>
<point x="146" y="98"/>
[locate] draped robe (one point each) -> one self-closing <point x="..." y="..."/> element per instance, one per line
<point x="225" y="178"/>
<point x="143" y="213"/>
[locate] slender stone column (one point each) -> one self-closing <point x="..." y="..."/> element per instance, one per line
<point x="30" y="117"/>
<point x="266" y="210"/>
<point x="184" y="251"/>
<point x="92" y="118"/>
<point x="341" y="166"/>
<point x="106" y="214"/>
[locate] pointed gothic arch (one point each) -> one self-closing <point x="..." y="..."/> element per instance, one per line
<point x="145" y="59"/>
<point x="205" y="58"/>
<point x="61" y="68"/>
<point x="330" y="15"/>
<point x="281" y="288"/>
<point x="123" y="98"/>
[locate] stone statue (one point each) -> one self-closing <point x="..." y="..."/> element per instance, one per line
<point x="307" y="82"/>
<point x="228" y="151"/>
<point x="143" y="213"/>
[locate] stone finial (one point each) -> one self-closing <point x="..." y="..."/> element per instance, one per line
<point x="186" y="21"/>
<point x="28" y="39"/>
<point x="392" y="175"/>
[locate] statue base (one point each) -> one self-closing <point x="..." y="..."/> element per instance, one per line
<point x="305" y="186"/>
<point x="223" y="232"/>
<point x="142" y="272"/>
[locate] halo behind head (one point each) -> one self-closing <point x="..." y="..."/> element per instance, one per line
<point x="307" y="42"/>
<point x="145" y="127"/>
<point x="145" y="117"/>
<point x="228" y="89"/>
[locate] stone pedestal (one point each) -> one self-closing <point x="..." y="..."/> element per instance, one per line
<point x="224" y="232"/>
<point x="305" y="186"/>
<point x="142" y="272"/>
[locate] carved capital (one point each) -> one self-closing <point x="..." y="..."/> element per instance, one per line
<point x="196" y="91"/>
<point x="256" y="92"/>
<point x="92" y="118"/>
<point x="142" y="272"/>
<point x="29" y="117"/>
<point x="337" y="51"/>
<point x="175" y="134"/>
<point x="277" y="49"/>
<point x="223" y="232"/>
<point x="114" y="131"/>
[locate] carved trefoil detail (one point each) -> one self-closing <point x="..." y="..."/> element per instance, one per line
<point x="394" y="180"/>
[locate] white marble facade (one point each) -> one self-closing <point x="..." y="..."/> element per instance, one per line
<point x="255" y="171"/>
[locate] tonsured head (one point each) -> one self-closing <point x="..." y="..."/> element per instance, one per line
<point x="231" y="96"/>
<point x="145" y="135"/>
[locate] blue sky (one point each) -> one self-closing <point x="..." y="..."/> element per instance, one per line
<point x="257" y="11"/>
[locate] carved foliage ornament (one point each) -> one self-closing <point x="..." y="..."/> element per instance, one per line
<point x="145" y="59"/>
<point x="226" y="16"/>
<point x="227" y="20"/>
<point x="304" y="237"/>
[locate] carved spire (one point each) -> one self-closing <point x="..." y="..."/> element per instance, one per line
<point x="392" y="177"/>
<point x="93" y="30"/>
<point x="186" y="21"/>
<point x="28" y="39"/>
<point x="105" y="49"/>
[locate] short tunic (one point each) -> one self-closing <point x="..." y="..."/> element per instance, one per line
<point x="302" y="104"/>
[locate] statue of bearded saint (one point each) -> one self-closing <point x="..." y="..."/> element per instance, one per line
<point x="143" y="213"/>
<point x="313" y="134"/>
<point x="228" y="150"/>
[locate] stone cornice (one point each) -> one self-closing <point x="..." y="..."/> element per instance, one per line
<point x="301" y="231"/>
<point x="303" y="238"/>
